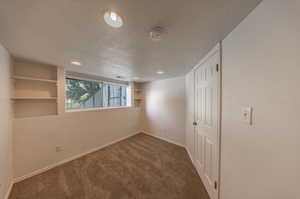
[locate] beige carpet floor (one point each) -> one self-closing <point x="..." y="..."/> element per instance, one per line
<point x="140" y="167"/>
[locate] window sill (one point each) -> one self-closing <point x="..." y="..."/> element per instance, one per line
<point x="98" y="109"/>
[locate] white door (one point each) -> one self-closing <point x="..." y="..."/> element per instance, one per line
<point x="190" y="114"/>
<point x="207" y="120"/>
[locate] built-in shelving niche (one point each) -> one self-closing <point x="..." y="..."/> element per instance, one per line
<point x="138" y="95"/>
<point x="34" y="89"/>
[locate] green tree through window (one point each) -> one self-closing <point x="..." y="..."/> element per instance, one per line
<point x="90" y="94"/>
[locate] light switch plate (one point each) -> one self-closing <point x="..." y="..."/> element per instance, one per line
<point x="247" y="115"/>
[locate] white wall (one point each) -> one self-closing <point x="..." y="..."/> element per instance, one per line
<point x="35" y="139"/>
<point x="5" y="123"/>
<point x="261" y="68"/>
<point x="165" y="109"/>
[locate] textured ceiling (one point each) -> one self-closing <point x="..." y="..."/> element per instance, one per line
<point x="58" y="31"/>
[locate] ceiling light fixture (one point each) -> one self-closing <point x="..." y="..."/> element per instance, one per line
<point x="113" y="19"/>
<point x="76" y="63"/>
<point x="160" y="72"/>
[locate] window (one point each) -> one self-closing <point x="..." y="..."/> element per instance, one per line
<point x="83" y="94"/>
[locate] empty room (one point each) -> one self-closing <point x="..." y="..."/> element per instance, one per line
<point x="141" y="99"/>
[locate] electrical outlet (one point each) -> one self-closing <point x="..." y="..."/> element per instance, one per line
<point x="247" y="115"/>
<point x="59" y="149"/>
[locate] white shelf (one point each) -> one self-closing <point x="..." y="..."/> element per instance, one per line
<point x="34" y="98"/>
<point x="34" y="79"/>
<point x="35" y="89"/>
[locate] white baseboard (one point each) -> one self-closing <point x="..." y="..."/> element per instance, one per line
<point x="42" y="170"/>
<point x="8" y="191"/>
<point x="165" y="139"/>
<point x="189" y="153"/>
<point x="39" y="171"/>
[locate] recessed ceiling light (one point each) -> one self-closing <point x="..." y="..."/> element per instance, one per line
<point x="160" y="72"/>
<point x="113" y="19"/>
<point x="76" y="63"/>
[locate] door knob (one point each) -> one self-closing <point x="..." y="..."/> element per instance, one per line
<point x="195" y="123"/>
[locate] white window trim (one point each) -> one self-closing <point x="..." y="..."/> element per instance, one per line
<point x="97" y="109"/>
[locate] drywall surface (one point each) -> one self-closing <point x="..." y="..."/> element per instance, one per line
<point x="261" y="67"/>
<point x="6" y="167"/>
<point x="165" y="109"/>
<point x="43" y="142"/>
<point x="36" y="139"/>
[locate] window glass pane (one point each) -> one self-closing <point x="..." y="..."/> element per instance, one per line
<point x="82" y="94"/>
<point x="114" y="94"/>
<point x="105" y="95"/>
<point x="123" y="96"/>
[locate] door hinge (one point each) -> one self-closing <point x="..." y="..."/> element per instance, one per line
<point x="216" y="185"/>
<point x="217" y="67"/>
